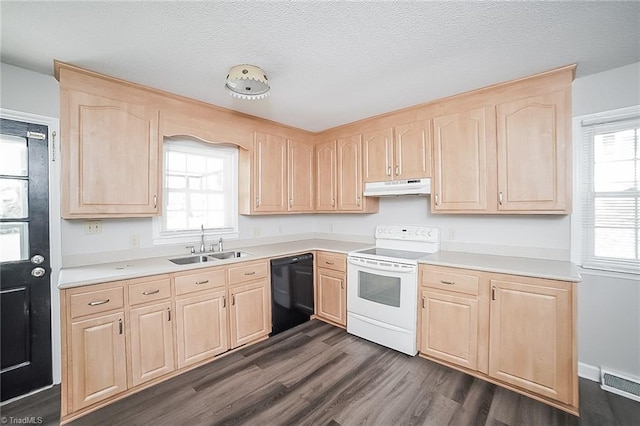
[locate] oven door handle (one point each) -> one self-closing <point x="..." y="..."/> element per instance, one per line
<point x="375" y="265"/>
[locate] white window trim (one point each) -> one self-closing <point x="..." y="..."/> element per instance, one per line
<point x="191" y="236"/>
<point x="576" y="217"/>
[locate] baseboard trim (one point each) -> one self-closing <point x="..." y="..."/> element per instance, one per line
<point x="589" y="372"/>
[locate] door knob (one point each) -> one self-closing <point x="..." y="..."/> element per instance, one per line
<point x="37" y="259"/>
<point x="38" y="272"/>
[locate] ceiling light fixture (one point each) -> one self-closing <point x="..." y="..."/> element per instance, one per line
<point x="247" y="82"/>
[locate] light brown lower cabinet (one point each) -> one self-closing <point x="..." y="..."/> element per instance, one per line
<point x="97" y="360"/>
<point x="201" y="327"/>
<point x="518" y="332"/>
<point x="331" y="288"/>
<point x="151" y="342"/>
<point x="120" y="337"/>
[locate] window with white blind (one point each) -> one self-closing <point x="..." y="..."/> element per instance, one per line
<point x="200" y="190"/>
<point x="611" y="194"/>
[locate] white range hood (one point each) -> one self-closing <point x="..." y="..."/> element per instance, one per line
<point x="398" y="187"/>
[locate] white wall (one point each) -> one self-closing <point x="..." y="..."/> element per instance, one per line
<point x="29" y="91"/>
<point x="608" y="306"/>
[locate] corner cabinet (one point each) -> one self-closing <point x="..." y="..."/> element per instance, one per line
<point x="277" y="176"/>
<point x="110" y="155"/>
<point x="339" y="184"/>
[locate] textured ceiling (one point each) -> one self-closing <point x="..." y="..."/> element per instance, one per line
<point x="329" y="63"/>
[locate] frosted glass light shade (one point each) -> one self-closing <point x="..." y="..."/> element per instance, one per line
<point x="247" y="82"/>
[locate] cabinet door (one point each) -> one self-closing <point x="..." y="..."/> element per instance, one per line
<point x="201" y="327"/>
<point x="110" y="155"/>
<point x="460" y="162"/>
<point x="450" y="328"/>
<point x="98" y="359"/>
<point x="378" y="155"/>
<point x="250" y="312"/>
<point x="412" y="154"/>
<point x="531" y="337"/>
<point x="332" y="296"/>
<point x="534" y="165"/>
<point x="270" y="173"/>
<point x="151" y="342"/>
<point x="301" y="184"/>
<point x="326" y="170"/>
<point x="350" y="173"/>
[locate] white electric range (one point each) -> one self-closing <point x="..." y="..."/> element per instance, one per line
<point x="382" y="290"/>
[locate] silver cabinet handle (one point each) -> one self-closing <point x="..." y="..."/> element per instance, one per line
<point x="169" y="313"/>
<point x="493" y="293"/>
<point x="202" y="282"/>
<point x="224" y="301"/>
<point x="38" y="272"/>
<point x="397" y="170"/>
<point x="333" y="202"/>
<point x="358" y="201"/>
<point x="290" y="202"/>
<point x="257" y="202"/>
<point x="147" y="293"/>
<point x="250" y="273"/>
<point x="500" y="197"/>
<point x="233" y="299"/>
<point x="448" y="282"/>
<point x="436" y="195"/>
<point x="423" y="307"/>
<point x="120" y="325"/>
<point x="389" y="171"/>
<point x="328" y="263"/>
<point x="99" y="302"/>
<point x="155" y="201"/>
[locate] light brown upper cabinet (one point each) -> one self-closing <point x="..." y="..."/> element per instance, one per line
<point x="534" y="165"/>
<point x="506" y="149"/>
<point x="339" y="183"/>
<point x="461" y="174"/>
<point x="398" y="152"/>
<point x="110" y="156"/>
<point x="282" y="176"/>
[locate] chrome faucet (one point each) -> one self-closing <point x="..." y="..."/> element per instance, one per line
<point x="202" y="247"/>
<point x="220" y="245"/>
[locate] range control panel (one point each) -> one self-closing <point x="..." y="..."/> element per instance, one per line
<point x="408" y="233"/>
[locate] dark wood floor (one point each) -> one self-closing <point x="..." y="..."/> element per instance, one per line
<point x="317" y="374"/>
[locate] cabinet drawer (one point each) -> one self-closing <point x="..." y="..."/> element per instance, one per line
<point x="248" y="271"/>
<point x="197" y="281"/>
<point x="95" y="301"/>
<point x="149" y="289"/>
<point x="337" y="262"/>
<point x="450" y="281"/>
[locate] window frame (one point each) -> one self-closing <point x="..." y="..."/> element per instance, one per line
<point x="161" y="236"/>
<point x="581" y="247"/>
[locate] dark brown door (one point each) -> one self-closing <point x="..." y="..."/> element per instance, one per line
<point x="24" y="259"/>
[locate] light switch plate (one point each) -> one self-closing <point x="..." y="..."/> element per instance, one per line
<point x="93" y="227"/>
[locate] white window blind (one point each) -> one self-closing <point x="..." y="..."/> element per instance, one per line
<point x="200" y="189"/>
<point x="611" y="194"/>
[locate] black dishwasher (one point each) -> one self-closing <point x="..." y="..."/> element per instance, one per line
<point x="291" y="291"/>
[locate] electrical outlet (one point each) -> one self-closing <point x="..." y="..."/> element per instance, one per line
<point x="452" y="234"/>
<point x="92" y="227"/>
<point x="256" y="231"/>
<point x="331" y="228"/>
<point x="134" y="241"/>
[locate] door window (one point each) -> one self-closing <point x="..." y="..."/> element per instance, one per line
<point x="379" y="289"/>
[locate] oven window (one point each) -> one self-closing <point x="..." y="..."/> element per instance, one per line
<point x="379" y="288"/>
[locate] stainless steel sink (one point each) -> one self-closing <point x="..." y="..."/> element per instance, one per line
<point x="190" y="259"/>
<point x="229" y="254"/>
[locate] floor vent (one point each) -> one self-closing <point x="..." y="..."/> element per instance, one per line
<point x="619" y="384"/>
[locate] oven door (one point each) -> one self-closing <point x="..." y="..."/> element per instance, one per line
<point x="383" y="291"/>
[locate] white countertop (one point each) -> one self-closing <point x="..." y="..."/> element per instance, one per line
<point x="537" y="268"/>
<point x="105" y="272"/>
<point x="115" y="271"/>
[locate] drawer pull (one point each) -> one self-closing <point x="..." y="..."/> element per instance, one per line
<point x="224" y="301"/>
<point x="250" y="273"/>
<point x="202" y="282"/>
<point x="328" y="263"/>
<point x="99" y="302"/>
<point x="448" y="282"/>
<point x="423" y="307"/>
<point x="147" y="293"/>
<point x="120" y="325"/>
<point x="169" y="313"/>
